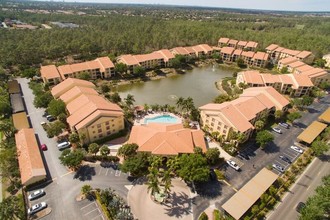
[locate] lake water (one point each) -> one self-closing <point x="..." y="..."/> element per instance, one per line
<point x="198" y="83"/>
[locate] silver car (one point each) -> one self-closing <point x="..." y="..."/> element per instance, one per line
<point x="277" y="130"/>
<point x="297" y="149"/>
<point x="36" y="208"/>
<point x="36" y="194"/>
<point x="278" y="167"/>
<point x="233" y="164"/>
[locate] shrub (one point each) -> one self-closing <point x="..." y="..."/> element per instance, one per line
<point x="203" y="216"/>
<point x="104" y="208"/>
<point x="216" y="214"/>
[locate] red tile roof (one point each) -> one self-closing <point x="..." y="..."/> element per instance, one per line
<point x="252" y="76"/>
<point x="252" y="44"/>
<point x="166" y="139"/>
<point x="272" y="47"/>
<point x="128" y="59"/>
<point x="304" y="54"/>
<point x="288" y="60"/>
<point x="29" y="158"/>
<point x="238" y="52"/>
<point x="75" y="92"/>
<point x="227" y="50"/>
<point x="68" y="84"/>
<point x="248" y="54"/>
<point x="260" y="56"/>
<point x="301" y="81"/>
<point x="167" y="55"/>
<point x="49" y="72"/>
<point x="296" y="64"/>
<point x="242" y="43"/>
<point x="291" y="52"/>
<point x="180" y="50"/>
<point x="224" y="40"/>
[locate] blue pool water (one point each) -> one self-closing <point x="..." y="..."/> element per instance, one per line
<point x="161" y="119"/>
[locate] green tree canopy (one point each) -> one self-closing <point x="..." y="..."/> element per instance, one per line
<point x="319" y="147"/>
<point x="193" y="168"/>
<point x="55" y="128"/>
<point x="104" y="150"/>
<point x="263" y="138"/>
<point x="120" y="68"/>
<point x="72" y="159"/>
<point x="137" y="165"/>
<point x="139" y="71"/>
<point x="93" y="148"/>
<point x="259" y="125"/>
<point x="128" y="150"/>
<point x="212" y="155"/>
<point x="222" y="98"/>
<point x="42" y="100"/>
<point x="293" y="116"/>
<point x="56" y="107"/>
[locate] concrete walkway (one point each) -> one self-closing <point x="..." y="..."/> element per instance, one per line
<point x="179" y="205"/>
<point x="223" y="153"/>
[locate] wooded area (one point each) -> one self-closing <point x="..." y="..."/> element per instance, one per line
<point x="112" y="34"/>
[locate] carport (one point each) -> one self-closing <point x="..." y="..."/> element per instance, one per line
<point x="17" y="104"/>
<point x="325" y="117"/>
<point x="20" y="121"/>
<point x="13" y="87"/>
<point x="311" y="132"/>
<point x="242" y="201"/>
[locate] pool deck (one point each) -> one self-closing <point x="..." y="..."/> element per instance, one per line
<point x="140" y="121"/>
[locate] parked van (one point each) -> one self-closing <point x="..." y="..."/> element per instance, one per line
<point x="63" y="145"/>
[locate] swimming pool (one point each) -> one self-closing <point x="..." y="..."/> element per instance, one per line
<point x="162" y="119"/>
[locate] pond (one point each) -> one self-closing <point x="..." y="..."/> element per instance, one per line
<point x="198" y="83"/>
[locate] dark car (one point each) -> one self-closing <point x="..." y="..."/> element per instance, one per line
<point x="243" y="155"/>
<point x="300" y="206"/>
<point x="286" y="159"/>
<point x="213" y="176"/>
<point x="284" y="125"/>
<point x="50" y="118"/>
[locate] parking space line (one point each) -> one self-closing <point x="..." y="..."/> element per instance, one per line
<point x="106" y="173"/>
<point x="66" y="174"/>
<point x="86" y="206"/>
<point x="100" y="171"/>
<point x="118" y="172"/>
<point x="91" y="211"/>
<point x="288" y="155"/>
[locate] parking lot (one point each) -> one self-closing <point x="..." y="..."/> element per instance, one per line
<point x="90" y="210"/>
<point x="290" y="154"/>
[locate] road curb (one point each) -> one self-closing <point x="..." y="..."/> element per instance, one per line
<point x="291" y="187"/>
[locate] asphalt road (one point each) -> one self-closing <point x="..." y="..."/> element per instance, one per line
<point x="302" y="189"/>
<point x="261" y="158"/>
<point x="63" y="186"/>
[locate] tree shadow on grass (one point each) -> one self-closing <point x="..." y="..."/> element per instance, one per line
<point x="85" y="173"/>
<point x="178" y="205"/>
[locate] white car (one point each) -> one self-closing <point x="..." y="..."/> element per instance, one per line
<point x="278" y="167"/>
<point x="297" y="149"/>
<point x="277" y="130"/>
<point x="36" y="194"/>
<point x="233" y="164"/>
<point x="36" y="208"/>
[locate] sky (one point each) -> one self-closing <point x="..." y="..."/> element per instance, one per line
<point x="286" y="5"/>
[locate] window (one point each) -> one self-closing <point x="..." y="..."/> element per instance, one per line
<point x="99" y="131"/>
<point x="98" y="126"/>
<point x="107" y="123"/>
<point x="93" y="132"/>
<point x="113" y="130"/>
<point x="225" y="131"/>
<point x="108" y="132"/>
<point x="100" y="135"/>
<point x="226" y="127"/>
<point x="212" y="124"/>
<point x="218" y="127"/>
<point x="93" y="126"/>
<point x="213" y="119"/>
<point x="108" y="127"/>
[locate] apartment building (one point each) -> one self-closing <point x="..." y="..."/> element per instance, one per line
<point x="232" y="43"/>
<point x="226" y="53"/>
<point x="241" y="114"/>
<point x="50" y="75"/>
<point x="236" y="55"/>
<point x="90" y="115"/>
<point x="247" y="56"/>
<point x="242" y="45"/>
<point x="276" y="53"/>
<point x="260" y="59"/>
<point x="99" y="68"/>
<point x="223" y="42"/>
<point x="293" y="84"/>
<point x="130" y="61"/>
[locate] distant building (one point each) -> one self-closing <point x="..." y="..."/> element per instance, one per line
<point x="327" y="60"/>
<point x="277" y="53"/>
<point x="65" y="25"/>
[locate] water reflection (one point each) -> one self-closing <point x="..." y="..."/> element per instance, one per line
<point x="198" y="83"/>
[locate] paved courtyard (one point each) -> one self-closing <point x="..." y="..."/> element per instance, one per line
<point x="179" y="205"/>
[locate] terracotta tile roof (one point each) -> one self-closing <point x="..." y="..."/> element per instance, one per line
<point x="92" y="106"/>
<point x="79" y="67"/>
<point x="232" y="41"/>
<point x="206" y="48"/>
<point x="238" y="52"/>
<point x="286" y="79"/>
<point x="242" y="43"/>
<point x="304" y="68"/>
<point x="190" y="50"/>
<point x="80" y="101"/>
<point x="197" y="48"/>
<point x="303" y="54"/>
<point x="253" y="76"/>
<point x="260" y="56"/>
<point x="167" y="55"/>
<point x="291" y="52"/>
<point x="224" y="40"/>
<point x="75" y="92"/>
<point x="96" y="115"/>
<point x="279" y="49"/>
<point x="64" y="69"/>
<point x="314" y="72"/>
<point x="248" y="106"/>
<point x="296" y="64"/>
<point x="272" y="47"/>
<point x="69" y="83"/>
<point x="216" y="48"/>
<point x="229" y="114"/>
<point x="227" y="50"/>
<point x="180" y="50"/>
<point x="252" y="44"/>
<point x="248" y="54"/>
<point x="166" y="139"/>
<point x="265" y="100"/>
<point x="301" y="81"/>
<point x="288" y="60"/>
<point x="49" y="72"/>
<point x="148" y="57"/>
<point x="278" y="100"/>
<point x="29" y="159"/>
<point x="268" y="78"/>
<point x="105" y="63"/>
<point x="128" y="59"/>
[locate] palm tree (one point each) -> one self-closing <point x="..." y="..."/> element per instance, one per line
<point x="129" y="100"/>
<point x="167" y="181"/>
<point x="86" y="189"/>
<point x="188" y="104"/>
<point x="153" y="183"/>
<point x="179" y="102"/>
<point x="259" y="125"/>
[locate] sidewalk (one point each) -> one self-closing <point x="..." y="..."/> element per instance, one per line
<point x="223" y="153"/>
